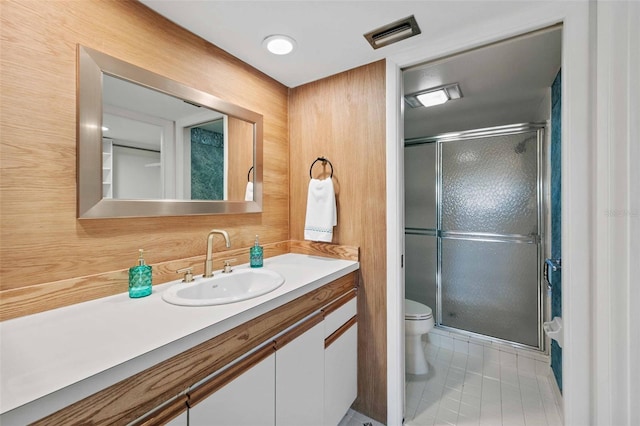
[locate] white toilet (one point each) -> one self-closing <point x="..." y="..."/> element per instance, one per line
<point x="418" y="320"/>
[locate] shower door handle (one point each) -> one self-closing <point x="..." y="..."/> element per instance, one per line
<point x="555" y="265"/>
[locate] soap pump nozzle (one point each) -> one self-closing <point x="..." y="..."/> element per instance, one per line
<point x="256" y="244"/>
<point x="140" y="257"/>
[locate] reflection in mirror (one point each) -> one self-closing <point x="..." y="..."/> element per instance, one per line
<point x="208" y="168"/>
<point x="165" y="148"/>
<point x="143" y="129"/>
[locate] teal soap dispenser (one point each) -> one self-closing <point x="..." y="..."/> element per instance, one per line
<point x="140" y="278"/>
<point x="255" y="255"/>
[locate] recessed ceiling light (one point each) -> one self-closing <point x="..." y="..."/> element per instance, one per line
<point x="279" y="44"/>
<point x="105" y="129"/>
<point x="434" y="96"/>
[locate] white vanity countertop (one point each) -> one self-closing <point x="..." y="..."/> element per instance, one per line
<point x="54" y="358"/>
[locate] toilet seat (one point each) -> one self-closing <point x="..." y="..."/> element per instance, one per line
<point x="416" y="311"/>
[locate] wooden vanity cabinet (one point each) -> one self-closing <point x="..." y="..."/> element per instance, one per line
<point x="306" y="377"/>
<point x="270" y="370"/>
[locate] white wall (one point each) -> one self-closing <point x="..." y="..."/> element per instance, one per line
<point x="616" y="190"/>
<point x="136" y="174"/>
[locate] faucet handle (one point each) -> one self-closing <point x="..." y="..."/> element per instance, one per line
<point x="227" y="266"/>
<point x="188" y="274"/>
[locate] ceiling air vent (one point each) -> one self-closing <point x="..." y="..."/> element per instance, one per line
<point x="392" y="33"/>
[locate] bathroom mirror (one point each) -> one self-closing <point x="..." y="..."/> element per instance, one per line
<point x="150" y="146"/>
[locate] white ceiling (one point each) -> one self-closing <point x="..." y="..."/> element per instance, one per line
<point x="505" y="83"/>
<point x="330" y="40"/>
<point x="135" y="115"/>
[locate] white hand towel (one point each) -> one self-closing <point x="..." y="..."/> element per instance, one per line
<point x="321" y="211"/>
<point x="248" y="194"/>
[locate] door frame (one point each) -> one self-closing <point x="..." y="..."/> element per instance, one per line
<point x="577" y="147"/>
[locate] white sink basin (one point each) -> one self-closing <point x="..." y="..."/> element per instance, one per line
<point x="241" y="284"/>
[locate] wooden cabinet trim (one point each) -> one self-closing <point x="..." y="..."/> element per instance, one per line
<point x="165" y="414"/>
<point x="339" y="332"/>
<point x="205" y="390"/>
<point x="135" y="396"/>
<point x="336" y="304"/>
<point x="281" y="341"/>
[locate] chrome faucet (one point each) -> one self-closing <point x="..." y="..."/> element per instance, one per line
<point x="208" y="263"/>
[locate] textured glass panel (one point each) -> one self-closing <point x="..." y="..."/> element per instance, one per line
<point x="491" y="288"/>
<point x="489" y="185"/>
<point x="420" y="269"/>
<point x="420" y="186"/>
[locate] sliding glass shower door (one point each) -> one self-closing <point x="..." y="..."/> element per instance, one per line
<point x="421" y="221"/>
<point x="473" y="238"/>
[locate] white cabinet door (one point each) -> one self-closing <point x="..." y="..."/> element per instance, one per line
<point x="300" y="379"/>
<point x="340" y="359"/>
<point x="341" y="375"/>
<point x="181" y="420"/>
<point x="248" y="400"/>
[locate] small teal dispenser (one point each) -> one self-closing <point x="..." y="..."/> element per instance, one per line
<point x="140" y="278"/>
<point x="255" y="255"/>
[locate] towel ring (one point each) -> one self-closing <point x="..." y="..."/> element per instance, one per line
<point x="249" y="174"/>
<point x="324" y="162"/>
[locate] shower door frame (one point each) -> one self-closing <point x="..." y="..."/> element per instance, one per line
<point x="539" y="239"/>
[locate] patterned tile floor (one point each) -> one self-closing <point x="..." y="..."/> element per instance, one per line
<point x="481" y="387"/>
<point x="470" y="383"/>
<point x="353" y="418"/>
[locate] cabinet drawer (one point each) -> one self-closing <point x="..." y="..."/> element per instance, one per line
<point x="339" y="313"/>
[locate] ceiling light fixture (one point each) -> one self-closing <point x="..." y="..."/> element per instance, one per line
<point x="105" y="129"/>
<point x="434" y="96"/>
<point x="279" y="44"/>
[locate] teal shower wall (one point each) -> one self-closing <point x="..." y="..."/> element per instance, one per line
<point x="556" y="213"/>
<point x="207" y="165"/>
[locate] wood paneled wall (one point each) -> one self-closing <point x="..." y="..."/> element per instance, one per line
<point x="240" y="158"/>
<point x="342" y="117"/>
<point x="43" y="243"/>
<point x="41" y="240"/>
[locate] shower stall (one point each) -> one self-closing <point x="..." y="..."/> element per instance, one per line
<point x="474" y="219"/>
